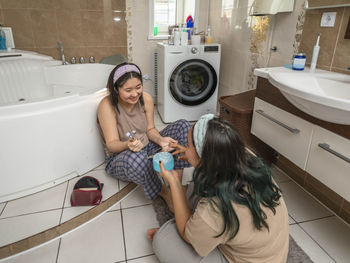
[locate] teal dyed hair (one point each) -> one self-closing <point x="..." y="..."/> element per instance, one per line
<point x="226" y="173"/>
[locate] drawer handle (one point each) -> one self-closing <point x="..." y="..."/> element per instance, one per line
<point x="292" y="130"/>
<point x="326" y="147"/>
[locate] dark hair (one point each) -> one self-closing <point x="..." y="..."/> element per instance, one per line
<point x="227" y="173"/>
<point x="114" y="87"/>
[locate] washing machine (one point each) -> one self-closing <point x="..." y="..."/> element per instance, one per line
<point x="187" y="81"/>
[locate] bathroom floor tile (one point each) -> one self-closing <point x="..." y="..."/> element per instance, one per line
<point x="99" y="241"/>
<point x="16" y="228"/>
<point x="2" y="205"/>
<point x="73" y="211"/>
<point x="148" y="259"/>
<point x="136" y="222"/>
<point x="333" y="235"/>
<point x="278" y="175"/>
<point x="187" y="175"/>
<point x="290" y="220"/>
<point x="48" y="199"/>
<point x="101" y="167"/>
<point x="110" y="186"/>
<point x="311" y="248"/>
<point x="137" y="198"/>
<point x="301" y="205"/>
<point x="44" y="254"/>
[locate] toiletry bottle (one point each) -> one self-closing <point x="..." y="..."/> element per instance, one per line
<point x="315" y="54"/>
<point x="299" y="61"/>
<point x="2" y="39"/>
<point x="208" y="38"/>
<point x="176" y="37"/>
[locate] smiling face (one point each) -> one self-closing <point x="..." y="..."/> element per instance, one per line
<point x="131" y="91"/>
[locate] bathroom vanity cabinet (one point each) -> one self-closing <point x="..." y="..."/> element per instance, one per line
<point x="315" y="153"/>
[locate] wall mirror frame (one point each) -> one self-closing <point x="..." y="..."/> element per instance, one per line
<point x="321" y="4"/>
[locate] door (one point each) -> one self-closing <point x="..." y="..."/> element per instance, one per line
<point x="193" y="82"/>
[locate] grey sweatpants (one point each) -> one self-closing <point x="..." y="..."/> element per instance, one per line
<point x="169" y="246"/>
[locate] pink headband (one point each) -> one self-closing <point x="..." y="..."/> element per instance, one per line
<point x="124" y="69"/>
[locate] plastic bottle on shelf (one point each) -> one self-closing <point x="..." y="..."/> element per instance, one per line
<point x="208" y="38"/>
<point x="2" y="39"/>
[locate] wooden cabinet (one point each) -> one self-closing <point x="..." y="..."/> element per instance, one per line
<point x="287" y="134"/>
<point x="329" y="161"/>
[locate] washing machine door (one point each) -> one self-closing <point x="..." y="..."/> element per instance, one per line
<point x="193" y="82"/>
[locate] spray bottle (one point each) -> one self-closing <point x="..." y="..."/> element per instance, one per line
<point x="2" y="39"/>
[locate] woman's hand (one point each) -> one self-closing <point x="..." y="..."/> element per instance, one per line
<point x="165" y="143"/>
<point x="188" y="154"/>
<point x="170" y="176"/>
<point x="135" y="145"/>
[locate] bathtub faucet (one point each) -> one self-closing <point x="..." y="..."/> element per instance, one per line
<point x="64" y="62"/>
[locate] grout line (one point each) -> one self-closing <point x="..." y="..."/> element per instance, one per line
<point x="64" y="200"/>
<point x="122" y="221"/>
<point x="311" y="220"/>
<point x="3" y="209"/>
<point x="316" y="242"/>
<point x="32" y="213"/>
<point x="58" y="250"/>
<point x="137" y="206"/>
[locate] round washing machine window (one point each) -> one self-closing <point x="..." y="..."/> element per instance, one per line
<point x="193" y="82"/>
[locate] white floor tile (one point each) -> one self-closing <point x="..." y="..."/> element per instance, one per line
<point x="311" y="248"/>
<point x="301" y="205"/>
<point x="101" y="167"/>
<point x="70" y="212"/>
<point x="333" y="235"/>
<point x="98" y="241"/>
<point x="2" y="205"/>
<point x="136" y="223"/>
<point x="16" y="228"/>
<point x="136" y="198"/>
<point x="157" y="119"/>
<point x="48" y="199"/>
<point x="149" y="259"/>
<point x="44" y="254"/>
<point x="110" y="185"/>
<point x="278" y="175"/>
<point x="291" y="220"/>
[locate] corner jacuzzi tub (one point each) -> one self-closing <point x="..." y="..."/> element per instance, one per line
<point x="48" y="128"/>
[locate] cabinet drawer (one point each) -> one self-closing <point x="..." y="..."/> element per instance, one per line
<point x="329" y="161"/>
<point x="286" y="133"/>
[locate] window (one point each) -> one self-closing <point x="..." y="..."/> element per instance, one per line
<point x="163" y="13"/>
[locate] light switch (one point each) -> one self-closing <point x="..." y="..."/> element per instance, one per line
<point x="328" y="19"/>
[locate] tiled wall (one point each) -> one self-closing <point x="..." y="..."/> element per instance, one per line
<point x="85" y="27"/>
<point x="334" y="52"/>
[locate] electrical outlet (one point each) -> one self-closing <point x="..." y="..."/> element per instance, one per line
<point x="328" y="19"/>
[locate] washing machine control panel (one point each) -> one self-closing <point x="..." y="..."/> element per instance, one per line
<point x="194" y="50"/>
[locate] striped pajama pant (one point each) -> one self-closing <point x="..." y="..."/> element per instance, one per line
<point x="136" y="167"/>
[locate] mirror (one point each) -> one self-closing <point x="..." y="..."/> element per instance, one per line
<point x="317" y="4"/>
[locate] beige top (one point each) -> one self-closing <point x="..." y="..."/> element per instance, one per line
<point x="133" y="120"/>
<point x="250" y="244"/>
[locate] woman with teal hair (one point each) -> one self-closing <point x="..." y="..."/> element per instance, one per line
<point x="240" y="216"/>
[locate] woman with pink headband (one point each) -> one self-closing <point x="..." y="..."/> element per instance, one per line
<point x="126" y="118"/>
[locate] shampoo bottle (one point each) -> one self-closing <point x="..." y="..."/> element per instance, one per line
<point x="315" y="54"/>
<point x="2" y="40"/>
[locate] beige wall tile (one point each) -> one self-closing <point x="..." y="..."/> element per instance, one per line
<point x="115" y="31"/>
<point x="120" y="5"/>
<point x="14" y="3"/>
<point x="75" y="52"/>
<point x="53" y="52"/>
<point x="44" y="4"/>
<point x="93" y="28"/>
<point x="69" y="26"/>
<point x="342" y="52"/>
<point x="67" y="4"/>
<point x="100" y="53"/>
<point x="21" y="23"/>
<point x="44" y="28"/>
<point x="320" y="3"/>
<point x="328" y="35"/>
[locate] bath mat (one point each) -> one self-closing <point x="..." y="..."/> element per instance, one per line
<point x="295" y="255"/>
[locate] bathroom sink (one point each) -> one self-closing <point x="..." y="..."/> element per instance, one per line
<point x="324" y="95"/>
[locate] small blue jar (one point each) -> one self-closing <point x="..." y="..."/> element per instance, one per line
<point x="299" y="61"/>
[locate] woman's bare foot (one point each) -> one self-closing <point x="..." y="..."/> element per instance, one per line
<point x="166" y="195"/>
<point x="151" y="232"/>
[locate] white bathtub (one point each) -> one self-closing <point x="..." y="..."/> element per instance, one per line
<point x="48" y="129"/>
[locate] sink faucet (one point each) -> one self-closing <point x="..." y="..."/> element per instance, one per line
<point x="64" y="62"/>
